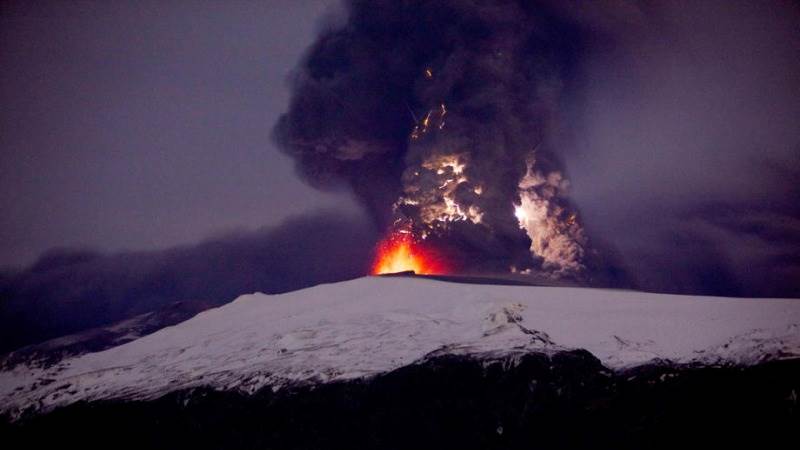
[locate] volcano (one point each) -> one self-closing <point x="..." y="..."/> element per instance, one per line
<point x="274" y="368"/>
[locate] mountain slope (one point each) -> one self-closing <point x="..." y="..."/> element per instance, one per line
<point x="52" y="351"/>
<point x="370" y="326"/>
<point x="533" y="400"/>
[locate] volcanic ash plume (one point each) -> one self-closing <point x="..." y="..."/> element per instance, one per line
<point x="437" y="114"/>
<point x="555" y="233"/>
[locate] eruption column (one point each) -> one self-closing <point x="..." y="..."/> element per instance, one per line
<point x="432" y="113"/>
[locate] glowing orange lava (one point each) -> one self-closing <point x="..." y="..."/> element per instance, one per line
<point x="400" y="253"/>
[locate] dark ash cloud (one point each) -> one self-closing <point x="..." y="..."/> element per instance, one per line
<point x="69" y="291"/>
<point x="394" y="99"/>
<point x="674" y="124"/>
<point x="682" y="142"/>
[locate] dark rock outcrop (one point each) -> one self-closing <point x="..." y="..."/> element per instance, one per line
<point x="563" y="400"/>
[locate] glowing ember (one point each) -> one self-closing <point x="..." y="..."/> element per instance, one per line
<point x="400" y="253"/>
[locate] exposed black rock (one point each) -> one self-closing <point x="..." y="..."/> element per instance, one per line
<point x="566" y="400"/>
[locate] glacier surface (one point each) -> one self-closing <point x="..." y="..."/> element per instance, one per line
<point x="373" y="325"/>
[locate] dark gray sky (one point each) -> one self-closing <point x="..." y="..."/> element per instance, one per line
<point x="145" y="124"/>
<point x="686" y="149"/>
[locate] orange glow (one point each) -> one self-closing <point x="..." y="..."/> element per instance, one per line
<point x="400" y="253"/>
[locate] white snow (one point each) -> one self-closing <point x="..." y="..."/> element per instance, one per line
<point x="372" y="325"/>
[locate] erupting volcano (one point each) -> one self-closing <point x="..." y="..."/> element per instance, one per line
<point x="401" y="253"/>
<point x="446" y="136"/>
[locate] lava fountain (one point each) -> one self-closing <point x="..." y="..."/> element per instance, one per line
<point x="400" y="252"/>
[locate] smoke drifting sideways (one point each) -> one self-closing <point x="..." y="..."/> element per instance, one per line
<point x="437" y="114"/>
<point x="683" y="147"/>
<point x="68" y="291"/>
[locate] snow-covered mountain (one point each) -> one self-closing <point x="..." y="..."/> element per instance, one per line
<point x="370" y="326"/>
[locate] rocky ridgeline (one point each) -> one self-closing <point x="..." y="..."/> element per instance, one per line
<point x="565" y="399"/>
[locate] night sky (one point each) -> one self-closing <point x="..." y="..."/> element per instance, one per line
<point x="153" y="152"/>
<point x="145" y="124"/>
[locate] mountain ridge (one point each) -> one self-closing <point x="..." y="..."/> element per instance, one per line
<point x="367" y="327"/>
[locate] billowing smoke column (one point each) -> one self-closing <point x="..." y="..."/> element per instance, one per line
<point x="437" y="114"/>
